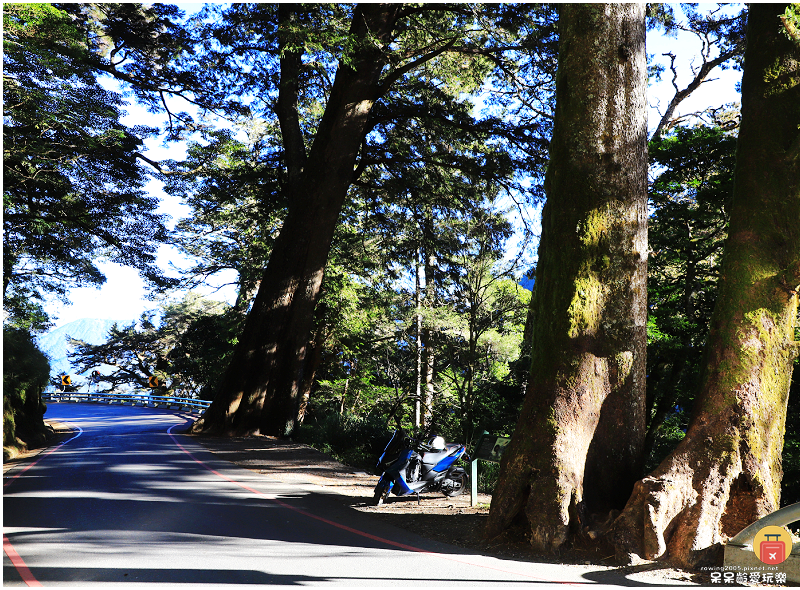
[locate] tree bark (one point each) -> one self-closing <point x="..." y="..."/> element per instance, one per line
<point x="577" y="443"/>
<point x="726" y="472"/>
<point x="428" y="352"/>
<point x="260" y="391"/>
<point x="309" y="374"/>
<point x="418" y="322"/>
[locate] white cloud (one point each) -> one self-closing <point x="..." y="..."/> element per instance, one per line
<point x="121" y="298"/>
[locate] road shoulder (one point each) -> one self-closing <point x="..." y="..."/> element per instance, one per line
<point x="449" y="520"/>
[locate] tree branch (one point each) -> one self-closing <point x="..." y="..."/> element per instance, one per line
<point x="400" y="72"/>
<point x="288" y="89"/>
<point x="681" y="95"/>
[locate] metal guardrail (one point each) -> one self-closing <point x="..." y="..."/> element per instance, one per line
<point x="134" y="399"/>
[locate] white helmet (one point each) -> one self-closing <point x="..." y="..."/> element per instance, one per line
<point x="436" y="443"/>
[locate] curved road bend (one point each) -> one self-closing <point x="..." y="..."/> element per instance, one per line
<point x="125" y="501"/>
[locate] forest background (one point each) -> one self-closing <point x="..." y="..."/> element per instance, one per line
<point x="423" y="317"/>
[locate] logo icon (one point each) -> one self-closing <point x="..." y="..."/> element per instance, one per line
<point x="772" y="545"/>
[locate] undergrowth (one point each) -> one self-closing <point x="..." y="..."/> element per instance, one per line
<point x="358" y="441"/>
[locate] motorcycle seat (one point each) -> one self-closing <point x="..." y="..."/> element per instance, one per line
<point x="432" y="457"/>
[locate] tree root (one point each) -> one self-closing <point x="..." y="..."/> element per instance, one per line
<point x="705" y="492"/>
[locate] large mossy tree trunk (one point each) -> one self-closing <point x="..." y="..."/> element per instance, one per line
<point x="576" y="448"/>
<point x="261" y="389"/>
<point x="726" y="472"/>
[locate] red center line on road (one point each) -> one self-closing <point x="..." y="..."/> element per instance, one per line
<point x="356" y="531"/>
<point x="17" y="561"/>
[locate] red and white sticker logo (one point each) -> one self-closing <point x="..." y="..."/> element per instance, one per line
<point x="772" y="545"/>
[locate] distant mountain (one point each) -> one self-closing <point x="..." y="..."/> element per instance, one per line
<point x="54" y="343"/>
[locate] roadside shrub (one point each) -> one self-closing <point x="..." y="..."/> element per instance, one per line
<point x="487" y="476"/>
<point x="354" y="440"/>
<point x="26" y="371"/>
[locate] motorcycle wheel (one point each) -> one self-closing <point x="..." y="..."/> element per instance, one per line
<point x="454" y="484"/>
<point x="381" y="493"/>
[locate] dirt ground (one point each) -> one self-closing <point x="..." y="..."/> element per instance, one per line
<point x="434" y="516"/>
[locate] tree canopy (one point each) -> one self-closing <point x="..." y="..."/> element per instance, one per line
<point x="183" y="349"/>
<point x="73" y="187"/>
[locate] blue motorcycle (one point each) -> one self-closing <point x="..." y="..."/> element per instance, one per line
<point x="412" y="467"/>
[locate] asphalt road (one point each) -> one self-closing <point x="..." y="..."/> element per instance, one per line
<point x="128" y="502"/>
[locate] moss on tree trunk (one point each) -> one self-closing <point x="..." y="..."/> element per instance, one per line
<point x="726" y="472"/>
<point x="577" y="444"/>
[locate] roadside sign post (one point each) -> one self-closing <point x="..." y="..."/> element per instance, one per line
<point x="489" y="448"/>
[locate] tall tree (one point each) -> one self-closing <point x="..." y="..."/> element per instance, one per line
<point x="577" y="445"/>
<point x="726" y="472"/>
<point x="421" y="189"/>
<point x="326" y="115"/>
<point x="73" y="189"/>
<point x="487" y="311"/>
<point x="260" y="392"/>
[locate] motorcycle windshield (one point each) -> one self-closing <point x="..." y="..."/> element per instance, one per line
<point x="391" y="452"/>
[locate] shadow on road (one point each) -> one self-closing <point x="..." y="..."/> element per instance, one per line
<point x="125" y="485"/>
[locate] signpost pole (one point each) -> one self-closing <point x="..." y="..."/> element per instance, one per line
<point x="489" y="448"/>
<point x="473" y="478"/>
<point x="473" y="473"/>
